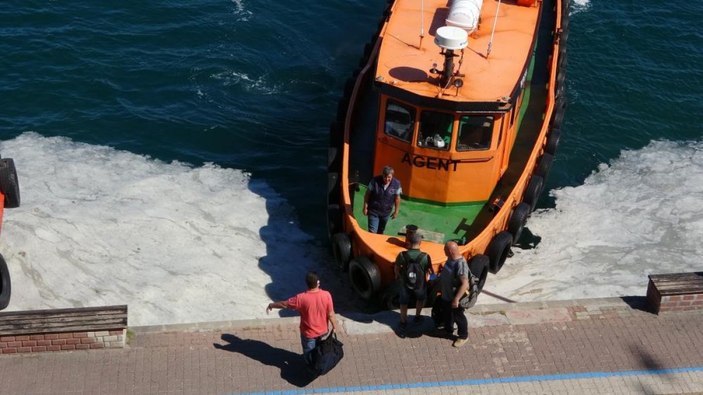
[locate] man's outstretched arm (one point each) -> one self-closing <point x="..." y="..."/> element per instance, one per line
<point x="276" y="305"/>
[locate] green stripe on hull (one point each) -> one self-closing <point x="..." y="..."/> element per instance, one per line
<point x="436" y="222"/>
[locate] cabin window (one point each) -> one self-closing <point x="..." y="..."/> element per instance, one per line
<point x="475" y="133"/>
<point x="435" y="130"/>
<point x="400" y="120"/>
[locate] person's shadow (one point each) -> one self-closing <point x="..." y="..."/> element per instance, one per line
<point x="292" y="366"/>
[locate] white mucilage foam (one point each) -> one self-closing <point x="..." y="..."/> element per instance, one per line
<point x="178" y="244"/>
<point x="98" y="226"/>
<point x="640" y="215"/>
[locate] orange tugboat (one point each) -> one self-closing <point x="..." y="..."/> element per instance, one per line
<point x="464" y="100"/>
<point x="9" y="198"/>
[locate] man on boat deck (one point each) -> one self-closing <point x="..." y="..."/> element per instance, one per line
<point x="382" y="200"/>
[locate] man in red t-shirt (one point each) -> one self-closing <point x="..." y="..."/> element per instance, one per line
<point x="316" y="310"/>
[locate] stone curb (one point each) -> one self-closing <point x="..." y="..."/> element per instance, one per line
<point x="480" y="315"/>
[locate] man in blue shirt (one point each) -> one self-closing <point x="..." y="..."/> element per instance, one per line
<point x="382" y="200"/>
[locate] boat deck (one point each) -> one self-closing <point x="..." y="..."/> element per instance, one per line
<point x="436" y="223"/>
<point x="405" y="59"/>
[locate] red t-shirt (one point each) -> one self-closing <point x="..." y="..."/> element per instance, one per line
<point x="313" y="307"/>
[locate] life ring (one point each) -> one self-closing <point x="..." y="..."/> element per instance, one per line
<point x="479" y="265"/>
<point x="517" y="220"/>
<point x="498" y="250"/>
<point x="553" y="141"/>
<point x="5" y="284"/>
<point x="544" y="165"/>
<point x="9" y="184"/>
<point x="533" y="190"/>
<point x="341" y="249"/>
<point x="364" y="276"/>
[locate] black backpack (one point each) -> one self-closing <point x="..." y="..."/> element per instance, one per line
<point x="413" y="273"/>
<point x="468" y="299"/>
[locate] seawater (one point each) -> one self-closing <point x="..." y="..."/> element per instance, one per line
<point x="180" y="141"/>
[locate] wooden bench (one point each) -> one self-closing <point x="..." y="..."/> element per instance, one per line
<point x="63" y="329"/>
<point x="675" y="292"/>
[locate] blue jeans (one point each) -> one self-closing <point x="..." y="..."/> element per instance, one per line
<point x="377" y="223"/>
<point x="308" y="346"/>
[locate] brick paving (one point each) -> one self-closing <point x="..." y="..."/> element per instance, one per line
<point x="582" y="346"/>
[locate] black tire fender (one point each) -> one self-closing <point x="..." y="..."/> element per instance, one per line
<point x="498" y="250"/>
<point x="341" y="249"/>
<point x="333" y="185"/>
<point x="391" y="296"/>
<point x="544" y="165"/>
<point x="9" y="183"/>
<point x="364" y="276"/>
<point x="561" y="79"/>
<point x="559" y="109"/>
<point x="5" y="284"/>
<point x="479" y="265"/>
<point x="517" y="220"/>
<point x="533" y="191"/>
<point x="334" y="220"/>
<point x="553" y="141"/>
<point x="563" y="61"/>
<point x="332" y="158"/>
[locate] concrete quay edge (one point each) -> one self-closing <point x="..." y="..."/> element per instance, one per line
<point x="381" y="322"/>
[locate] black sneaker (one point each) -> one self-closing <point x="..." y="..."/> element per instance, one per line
<point x="402" y="329"/>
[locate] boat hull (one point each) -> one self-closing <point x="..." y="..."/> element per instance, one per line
<point x="491" y="211"/>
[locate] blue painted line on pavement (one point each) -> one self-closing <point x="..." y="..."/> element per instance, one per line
<point x="502" y="380"/>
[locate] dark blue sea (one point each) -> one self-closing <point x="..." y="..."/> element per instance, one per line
<point x="203" y="123"/>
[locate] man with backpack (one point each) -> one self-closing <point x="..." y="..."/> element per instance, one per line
<point x="412" y="268"/>
<point x="453" y="283"/>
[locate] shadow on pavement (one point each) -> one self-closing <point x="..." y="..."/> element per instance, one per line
<point x="651" y="363"/>
<point x="637" y="303"/>
<point x="292" y="366"/>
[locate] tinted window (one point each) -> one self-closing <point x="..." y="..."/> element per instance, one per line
<point x="475" y="133"/>
<point x="399" y="121"/>
<point x="435" y="130"/>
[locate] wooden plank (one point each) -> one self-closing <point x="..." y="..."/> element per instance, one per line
<point x="25" y="318"/>
<point x="678" y="283"/>
<point x="63" y="320"/>
<point x="71" y="311"/>
<point x="47" y="326"/>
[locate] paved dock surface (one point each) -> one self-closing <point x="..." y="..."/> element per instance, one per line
<point x="594" y="346"/>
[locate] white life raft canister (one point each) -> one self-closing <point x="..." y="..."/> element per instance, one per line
<point x="465" y="14"/>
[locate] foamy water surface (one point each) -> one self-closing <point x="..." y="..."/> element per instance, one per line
<point x="98" y="226"/>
